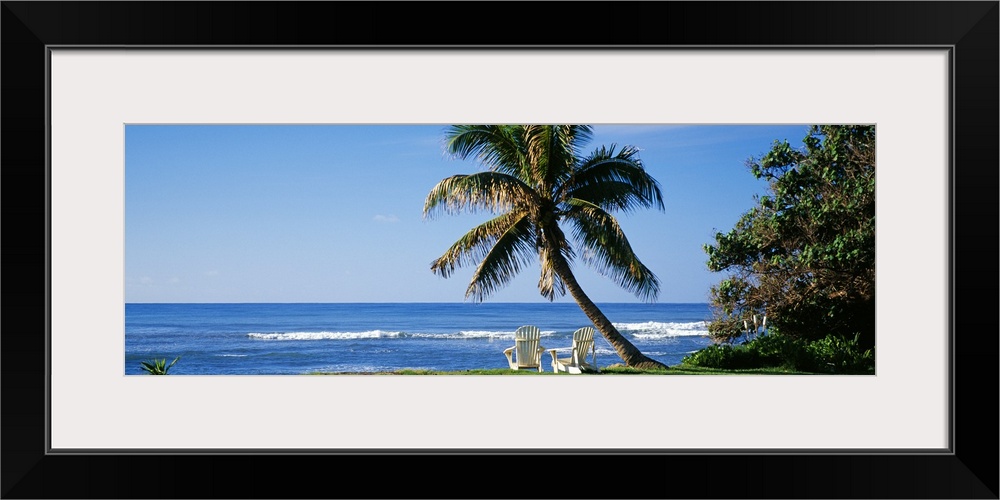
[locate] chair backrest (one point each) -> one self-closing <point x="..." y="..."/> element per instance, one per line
<point x="526" y="341"/>
<point x="583" y="340"/>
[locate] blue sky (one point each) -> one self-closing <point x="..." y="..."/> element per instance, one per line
<point x="333" y="213"/>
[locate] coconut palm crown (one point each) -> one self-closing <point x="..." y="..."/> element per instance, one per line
<point x="538" y="177"/>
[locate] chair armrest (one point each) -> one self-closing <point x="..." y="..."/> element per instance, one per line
<point x="509" y="353"/>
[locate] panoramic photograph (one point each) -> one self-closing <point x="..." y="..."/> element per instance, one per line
<point x="548" y="250"/>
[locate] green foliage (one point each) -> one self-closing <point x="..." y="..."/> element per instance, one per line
<point x="158" y="366"/>
<point x="836" y="354"/>
<point x="774" y="351"/>
<point x="832" y="354"/>
<point x="805" y="254"/>
<point x="713" y="356"/>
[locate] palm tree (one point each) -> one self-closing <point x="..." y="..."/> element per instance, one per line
<point x="537" y="178"/>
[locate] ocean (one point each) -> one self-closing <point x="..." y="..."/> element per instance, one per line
<point x="294" y="339"/>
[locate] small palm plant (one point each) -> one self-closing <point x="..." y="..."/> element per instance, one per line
<point x="158" y="366"/>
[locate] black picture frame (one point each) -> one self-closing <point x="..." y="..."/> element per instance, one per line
<point x="970" y="29"/>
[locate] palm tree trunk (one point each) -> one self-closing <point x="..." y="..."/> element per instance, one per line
<point x="628" y="352"/>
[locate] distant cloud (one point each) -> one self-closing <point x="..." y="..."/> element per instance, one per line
<point x="386" y="219"/>
<point x="174" y="280"/>
<point x="212" y="273"/>
<point x="146" y="280"/>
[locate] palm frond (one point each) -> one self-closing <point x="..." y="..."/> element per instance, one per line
<point x="499" y="148"/>
<point x="551" y="239"/>
<point x="512" y="251"/>
<point x="475" y="244"/>
<point x="608" y="251"/>
<point x="537" y="144"/>
<point x="491" y="191"/>
<point x="553" y="151"/>
<point x="549" y="283"/>
<point x="579" y="136"/>
<point x="614" y="181"/>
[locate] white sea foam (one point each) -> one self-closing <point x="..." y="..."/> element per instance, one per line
<point x="506" y="335"/>
<point x="345" y="368"/>
<point x="373" y="334"/>
<point x="484" y="334"/>
<point x="381" y="334"/>
<point x="653" y="330"/>
<point x="470" y="334"/>
<point x="232" y="355"/>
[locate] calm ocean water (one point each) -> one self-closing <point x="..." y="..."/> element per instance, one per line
<point x="271" y="339"/>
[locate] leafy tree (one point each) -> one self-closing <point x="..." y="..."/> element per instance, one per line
<point x="538" y="178"/>
<point x="805" y="254"/>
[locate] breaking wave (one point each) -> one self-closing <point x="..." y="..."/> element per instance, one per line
<point x="373" y="334"/>
<point x="652" y="330"/>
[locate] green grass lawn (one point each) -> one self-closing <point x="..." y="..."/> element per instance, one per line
<point x="610" y="370"/>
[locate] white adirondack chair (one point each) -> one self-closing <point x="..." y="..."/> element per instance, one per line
<point x="576" y="362"/>
<point x="527" y="350"/>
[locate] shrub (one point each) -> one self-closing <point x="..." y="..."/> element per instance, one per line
<point x="767" y="351"/>
<point x="158" y="366"/>
<point x="713" y="356"/>
<point x="831" y="354"/>
<point x="837" y="354"/>
<point x="776" y="350"/>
